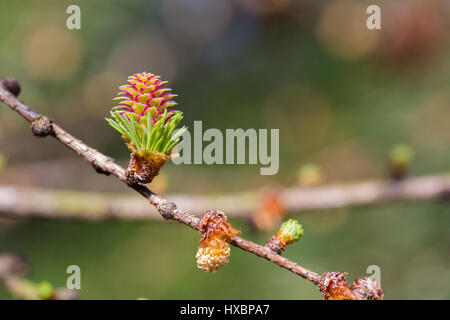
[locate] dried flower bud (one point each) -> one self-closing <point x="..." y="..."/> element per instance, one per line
<point x="400" y="158"/>
<point x="334" y="286"/>
<point x="367" y="289"/>
<point x="290" y="231"/>
<point x="214" y="248"/>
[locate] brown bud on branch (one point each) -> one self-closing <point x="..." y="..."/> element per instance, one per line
<point x="334" y="286"/>
<point x="367" y="289"/>
<point x="12" y="85"/>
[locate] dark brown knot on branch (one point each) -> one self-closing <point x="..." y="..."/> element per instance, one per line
<point x="42" y="126"/>
<point x="12" y="85"/>
<point x="166" y="209"/>
<point x="100" y="170"/>
<point x="276" y="245"/>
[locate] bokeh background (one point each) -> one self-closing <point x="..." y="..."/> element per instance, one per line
<point x="341" y="95"/>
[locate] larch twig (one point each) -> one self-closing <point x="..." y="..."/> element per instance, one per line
<point x="43" y="126"/>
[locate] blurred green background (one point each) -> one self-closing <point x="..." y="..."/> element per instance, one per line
<point x="341" y="95"/>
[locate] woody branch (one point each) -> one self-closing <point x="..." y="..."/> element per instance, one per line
<point x="42" y="126"/>
<point x="333" y="285"/>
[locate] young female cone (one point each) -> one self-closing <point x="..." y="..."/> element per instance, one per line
<point x="147" y="124"/>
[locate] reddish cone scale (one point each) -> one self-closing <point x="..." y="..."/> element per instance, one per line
<point x="145" y="93"/>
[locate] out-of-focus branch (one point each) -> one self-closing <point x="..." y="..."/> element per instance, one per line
<point x="367" y="193"/>
<point x="42" y="126"/>
<point x="35" y="202"/>
<point x="12" y="271"/>
<point x="24" y="202"/>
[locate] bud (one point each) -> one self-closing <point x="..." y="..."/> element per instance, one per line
<point x="214" y="248"/>
<point x="146" y="123"/>
<point x="310" y="175"/>
<point x="45" y="290"/>
<point x="290" y="231"/>
<point x="400" y="158"/>
<point x="334" y="286"/>
<point x="42" y="126"/>
<point x="367" y="289"/>
<point x="12" y="85"/>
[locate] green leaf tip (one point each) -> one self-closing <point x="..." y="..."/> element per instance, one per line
<point x="401" y="153"/>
